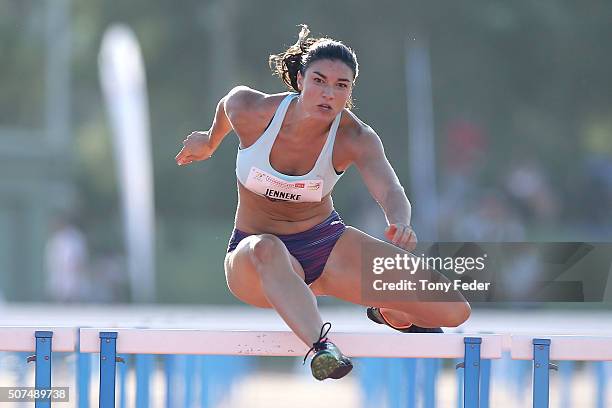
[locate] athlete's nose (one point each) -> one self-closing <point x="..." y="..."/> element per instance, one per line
<point x="328" y="92"/>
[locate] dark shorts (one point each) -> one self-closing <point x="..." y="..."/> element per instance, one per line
<point x="311" y="248"/>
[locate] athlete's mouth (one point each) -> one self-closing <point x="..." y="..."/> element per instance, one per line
<point x="324" y="105"/>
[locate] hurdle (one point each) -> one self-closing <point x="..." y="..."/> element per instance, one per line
<point x="43" y="341"/>
<point x="110" y="342"/>
<point x="559" y="347"/>
<point x="474" y="351"/>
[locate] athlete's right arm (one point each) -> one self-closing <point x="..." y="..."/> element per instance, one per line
<point x="232" y="111"/>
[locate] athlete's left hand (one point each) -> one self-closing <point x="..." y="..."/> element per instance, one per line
<point x="402" y="236"/>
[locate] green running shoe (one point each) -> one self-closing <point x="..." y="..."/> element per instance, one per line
<point x="328" y="361"/>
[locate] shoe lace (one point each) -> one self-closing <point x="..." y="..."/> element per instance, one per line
<point x="317" y="345"/>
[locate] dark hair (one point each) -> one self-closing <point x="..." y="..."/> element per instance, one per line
<point x="304" y="52"/>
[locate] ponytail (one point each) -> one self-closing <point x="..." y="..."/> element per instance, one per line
<point x="287" y="64"/>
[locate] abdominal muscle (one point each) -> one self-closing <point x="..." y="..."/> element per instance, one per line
<point x="259" y="215"/>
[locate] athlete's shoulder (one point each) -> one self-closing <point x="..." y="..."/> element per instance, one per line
<point x="358" y="143"/>
<point x="249" y="111"/>
<point x="242" y="99"/>
<point x="356" y="133"/>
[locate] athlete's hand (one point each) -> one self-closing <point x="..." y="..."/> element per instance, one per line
<point x="402" y="236"/>
<point x="195" y="148"/>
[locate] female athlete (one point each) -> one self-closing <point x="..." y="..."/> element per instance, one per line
<point x="289" y="245"/>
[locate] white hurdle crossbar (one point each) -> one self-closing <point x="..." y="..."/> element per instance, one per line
<point x="470" y="348"/>
<point x="110" y="342"/>
<point x="24" y="339"/>
<point x="285" y="343"/>
<point x="583" y="348"/>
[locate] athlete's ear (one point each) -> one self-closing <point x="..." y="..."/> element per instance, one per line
<point x="300" y="81"/>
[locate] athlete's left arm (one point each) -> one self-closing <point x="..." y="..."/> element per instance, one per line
<point x="384" y="186"/>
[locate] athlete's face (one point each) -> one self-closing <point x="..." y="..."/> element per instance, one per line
<point x="326" y="87"/>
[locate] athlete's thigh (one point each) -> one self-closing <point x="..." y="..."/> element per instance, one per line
<point x="242" y="277"/>
<point x="341" y="276"/>
<point x="350" y="259"/>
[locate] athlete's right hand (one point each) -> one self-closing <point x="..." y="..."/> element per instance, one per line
<point x="195" y="148"/>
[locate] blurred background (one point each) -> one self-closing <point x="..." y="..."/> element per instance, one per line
<point x="496" y="116"/>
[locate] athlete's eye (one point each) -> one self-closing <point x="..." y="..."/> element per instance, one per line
<point x="318" y="79"/>
<point x="342" y="85"/>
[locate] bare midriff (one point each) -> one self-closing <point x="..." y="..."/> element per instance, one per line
<point x="260" y="215"/>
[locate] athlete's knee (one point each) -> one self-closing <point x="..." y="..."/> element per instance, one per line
<point x="244" y="284"/>
<point x="457" y="314"/>
<point x="265" y="248"/>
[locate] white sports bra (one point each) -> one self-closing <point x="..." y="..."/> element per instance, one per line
<point x="255" y="172"/>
